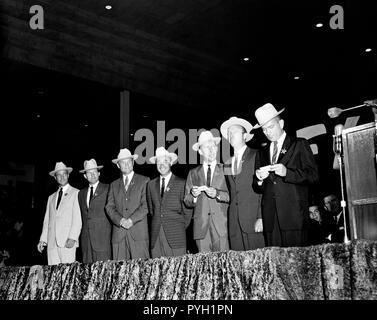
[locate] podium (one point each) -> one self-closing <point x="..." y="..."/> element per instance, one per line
<point x="361" y="180"/>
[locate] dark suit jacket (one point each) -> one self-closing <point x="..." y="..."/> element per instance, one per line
<point x="288" y="195"/>
<point x="170" y="211"/>
<point x="245" y="203"/>
<point x="131" y="204"/>
<point x="205" y="206"/>
<point x="96" y="225"/>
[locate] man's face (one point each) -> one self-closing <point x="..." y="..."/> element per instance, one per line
<point x="236" y="135"/>
<point x="126" y="165"/>
<point x="209" y="151"/>
<point x="314" y="213"/>
<point x="92" y="176"/>
<point x="62" y="177"/>
<point x="163" y="165"/>
<point x="273" y="129"/>
<point x="331" y="203"/>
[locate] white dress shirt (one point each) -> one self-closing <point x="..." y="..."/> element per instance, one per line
<point x="239" y="158"/>
<point x="205" y="168"/>
<point x="279" y="145"/>
<point x="94" y="191"/>
<point x="65" y="188"/>
<point x="167" y="179"/>
<point x="130" y="176"/>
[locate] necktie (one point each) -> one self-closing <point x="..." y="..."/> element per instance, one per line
<point x="91" y="194"/>
<point x="235" y="168"/>
<point x="275" y="153"/>
<point x="126" y="183"/>
<point x="162" y="187"/>
<point x="59" y="197"/>
<point x="209" y="176"/>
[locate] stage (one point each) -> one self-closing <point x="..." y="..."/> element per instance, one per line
<point x="325" y="272"/>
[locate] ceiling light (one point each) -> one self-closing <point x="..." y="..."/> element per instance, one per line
<point x="319" y="25"/>
<point x="296" y="78"/>
<point x="108" y="7"/>
<point x="85" y="125"/>
<point x="368" y="50"/>
<point x="246" y="59"/>
<point x="38" y="115"/>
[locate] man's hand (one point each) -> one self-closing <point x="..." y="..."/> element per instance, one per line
<point x="41" y="246"/>
<point x="195" y="192"/>
<point x="258" y="225"/>
<point x="211" y="192"/>
<point x="69" y="243"/>
<point x="261" y="174"/>
<point x="279" y="169"/>
<point x="128" y="224"/>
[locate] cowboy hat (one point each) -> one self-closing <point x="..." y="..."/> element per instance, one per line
<point x="59" y="166"/>
<point x="236" y="121"/>
<point x="124" y="154"/>
<point x="266" y="113"/>
<point x="203" y="137"/>
<point x="90" y="164"/>
<point x="162" y="152"/>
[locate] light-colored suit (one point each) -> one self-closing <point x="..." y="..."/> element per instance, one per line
<point x="209" y="211"/>
<point x="60" y="225"/>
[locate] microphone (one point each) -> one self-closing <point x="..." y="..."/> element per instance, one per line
<point x="372" y="103"/>
<point x="337" y="139"/>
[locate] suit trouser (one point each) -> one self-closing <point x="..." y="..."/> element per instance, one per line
<point x="212" y="241"/>
<point x="89" y="255"/>
<point x="56" y="255"/>
<point x="285" y="238"/>
<point x="162" y="248"/>
<point x="242" y="241"/>
<point x="128" y="248"/>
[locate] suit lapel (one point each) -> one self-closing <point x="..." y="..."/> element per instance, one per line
<point x="157" y="189"/>
<point x="202" y="179"/>
<point x="284" y="152"/>
<point x="216" y="174"/>
<point x="167" y="188"/>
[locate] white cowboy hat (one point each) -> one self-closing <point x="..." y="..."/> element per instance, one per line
<point x="236" y="121"/>
<point x="203" y="137"/>
<point x="124" y="154"/>
<point x="162" y="152"/>
<point x="265" y="113"/>
<point x="90" y="164"/>
<point x="59" y="166"/>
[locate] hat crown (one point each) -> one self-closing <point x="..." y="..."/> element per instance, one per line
<point x="161" y="151"/>
<point x="90" y="164"/>
<point x="265" y="113"/>
<point x="205" y="136"/>
<point x="60" y="166"/>
<point x="124" y="153"/>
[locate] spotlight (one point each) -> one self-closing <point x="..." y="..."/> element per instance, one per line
<point x="319" y="25"/>
<point x="246" y="59"/>
<point x="108" y="7"/>
<point x="368" y="49"/>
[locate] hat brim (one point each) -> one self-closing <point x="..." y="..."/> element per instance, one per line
<point x="172" y="156"/>
<point x="257" y="126"/>
<point x="98" y="168"/>
<point x="134" y="156"/>
<point x="52" y="173"/>
<point x="239" y="121"/>
<point x="196" y="145"/>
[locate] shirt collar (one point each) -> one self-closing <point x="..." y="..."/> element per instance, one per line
<point x="213" y="164"/>
<point x="167" y="178"/>
<point x="241" y="151"/>
<point x="65" y="188"/>
<point x="130" y="176"/>
<point x="281" y="139"/>
<point x="94" y="185"/>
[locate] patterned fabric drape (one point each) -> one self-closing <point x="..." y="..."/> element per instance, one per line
<point x="331" y="271"/>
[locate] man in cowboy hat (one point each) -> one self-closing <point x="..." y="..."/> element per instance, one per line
<point x="62" y="221"/>
<point x="284" y="170"/>
<point x="170" y="217"/>
<point x="127" y="208"/>
<point x="207" y="193"/>
<point x="245" y="218"/>
<point x="95" y="238"/>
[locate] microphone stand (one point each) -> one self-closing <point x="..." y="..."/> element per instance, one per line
<point x="338" y="154"/>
